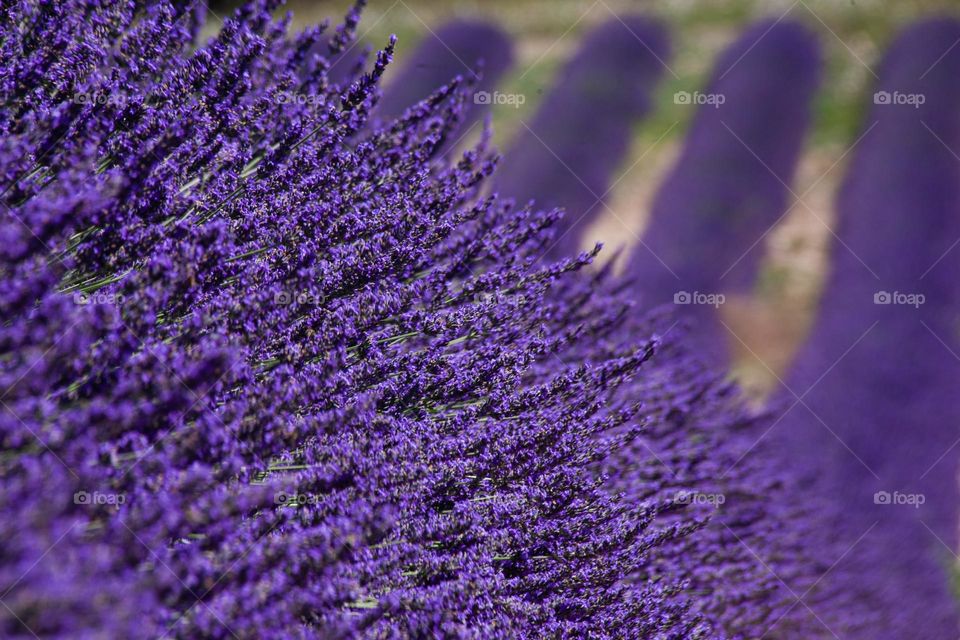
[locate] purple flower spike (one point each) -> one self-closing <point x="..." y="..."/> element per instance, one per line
<point x="477" y="51"/>
<point x="731" y="182"/>
<point x="873" y="441"/>
<point x="567" y="155"/>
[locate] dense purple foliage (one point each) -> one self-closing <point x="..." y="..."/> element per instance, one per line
<point x="477" y="51"/>
<point x="731" y="182"/>
<point x="268" y="371"/>
<point x="567" y="155"/>
<point x="878" y="376"/>
<point x="696" y="453"/>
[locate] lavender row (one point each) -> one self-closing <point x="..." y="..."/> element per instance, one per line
<point x="732" y="180"/>
<point x="476" y="51"/>
<point x="871" y="440"/>
<point x="567" y="154"/>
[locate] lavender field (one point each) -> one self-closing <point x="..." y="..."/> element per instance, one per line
<point x="416" y="319"/>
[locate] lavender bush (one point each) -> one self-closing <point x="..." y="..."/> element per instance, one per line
<point x="871" y="444"/>
<point x="268" y="371"/>
<point x="566" y="156"/>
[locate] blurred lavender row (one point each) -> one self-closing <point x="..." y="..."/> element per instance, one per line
<point x="873" y="409"/>
<point x="567" y="155"/>
<point x="476" y="51"/>
<point x="731" y="182"/>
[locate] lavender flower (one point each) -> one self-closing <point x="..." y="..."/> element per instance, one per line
<point x="566" y="156"/>
<point x="268" y="370"/>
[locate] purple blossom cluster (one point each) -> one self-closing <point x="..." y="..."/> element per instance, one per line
<point x="268" y="370"/>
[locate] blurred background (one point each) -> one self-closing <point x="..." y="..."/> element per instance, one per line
<point x="773" y="317"/>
